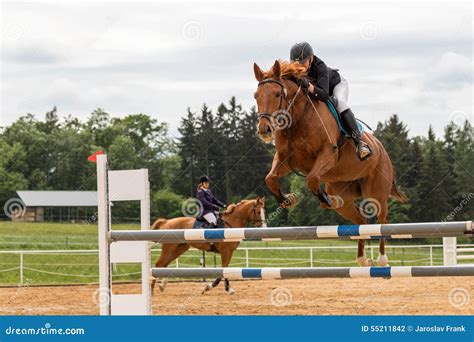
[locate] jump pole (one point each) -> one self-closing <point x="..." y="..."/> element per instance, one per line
<point x="366" y="231"/>
<point x="234" y="273"/>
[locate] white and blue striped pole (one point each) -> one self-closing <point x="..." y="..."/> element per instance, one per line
<point x="366" y="231"/>
<point x="314" y="272"/>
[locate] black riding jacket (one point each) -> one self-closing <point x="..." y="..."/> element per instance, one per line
<point x="323" y="78"/>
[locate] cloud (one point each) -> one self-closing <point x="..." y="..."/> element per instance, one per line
<point x="161" y="58"/>
<point x="452" y="70"/>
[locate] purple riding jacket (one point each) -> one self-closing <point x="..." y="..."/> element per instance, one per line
<point x="209" y="202"/>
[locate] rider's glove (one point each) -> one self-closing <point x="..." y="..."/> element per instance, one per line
<point x="303" y="83"/>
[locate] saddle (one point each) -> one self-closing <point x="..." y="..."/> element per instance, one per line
<point x="201" y="223"/>
<point x="332" y="105"/>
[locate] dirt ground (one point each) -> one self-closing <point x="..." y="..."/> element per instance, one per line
<point x="400" y="296"/>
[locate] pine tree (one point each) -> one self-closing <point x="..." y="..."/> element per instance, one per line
<point x="187" y="151"/>
<point x="433" y="202"/>
<point x="463" y="171"/>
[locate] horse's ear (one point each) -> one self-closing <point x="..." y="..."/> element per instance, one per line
<point x="276" y="69"/>
<point x="258" y="72"/>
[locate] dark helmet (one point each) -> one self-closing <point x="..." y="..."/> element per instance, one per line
<point x="204" y="179"/>
<point x="300" y="51"/>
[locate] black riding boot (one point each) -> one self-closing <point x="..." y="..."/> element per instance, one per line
<point x="362" y="149"/>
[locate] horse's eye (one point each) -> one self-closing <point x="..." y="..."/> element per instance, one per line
<point x="278" y="94"/>
<point x="255" y="96"/>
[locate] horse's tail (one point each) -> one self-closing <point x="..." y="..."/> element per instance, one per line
<point x="159" y="223"/>
<point x="396" y="193"/>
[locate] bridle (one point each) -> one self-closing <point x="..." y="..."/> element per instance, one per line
<point x="286" y="112"/>
<point x="283" y="96"/>
<point x="257" y="219"/>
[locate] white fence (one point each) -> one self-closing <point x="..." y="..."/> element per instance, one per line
<point x="423" y="255"/>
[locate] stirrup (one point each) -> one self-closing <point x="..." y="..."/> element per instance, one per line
<point x="363" y="151"/>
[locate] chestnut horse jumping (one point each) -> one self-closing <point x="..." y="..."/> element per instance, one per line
<point x="235" y="216"/>
<point x="306" y="136"/>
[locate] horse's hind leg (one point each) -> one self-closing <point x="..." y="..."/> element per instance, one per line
<point x="227" y="287"/>
<point x="378" y="214"/>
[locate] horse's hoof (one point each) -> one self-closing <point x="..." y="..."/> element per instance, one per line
<point x="336" y="202"/>
<point x="364" y="262"/>
<point x="231" y="291"/>
<point x="382" y="260"/>
<point x="206" y="288"/>
<point x="290" y="201"/>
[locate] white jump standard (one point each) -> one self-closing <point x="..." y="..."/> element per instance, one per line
<point x="122" y="185"/>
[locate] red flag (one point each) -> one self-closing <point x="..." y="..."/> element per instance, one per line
<point x="93" y="158"/>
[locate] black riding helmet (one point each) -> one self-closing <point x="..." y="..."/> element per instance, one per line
<point x="300" y="51"/>
<point x="204" y="179"/>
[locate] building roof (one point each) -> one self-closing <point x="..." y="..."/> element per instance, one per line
<point x="58" y="198"/>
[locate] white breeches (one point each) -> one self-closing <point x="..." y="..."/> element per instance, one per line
<point x="210" y="218"/>
<point x="341" y="92"/>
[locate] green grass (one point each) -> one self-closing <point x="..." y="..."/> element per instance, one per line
<point x="83" y="268"/>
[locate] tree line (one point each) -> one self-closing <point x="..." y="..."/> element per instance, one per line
<point x="50" y="153"/>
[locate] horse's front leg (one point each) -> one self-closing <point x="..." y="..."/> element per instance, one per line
<point x="325" y="161"/>
<point x="226" y="255"/>
<point x="279" y="169"/>
<point x="212" y="285"/>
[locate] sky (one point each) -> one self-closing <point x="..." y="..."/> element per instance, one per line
<point x="412" y="59"/>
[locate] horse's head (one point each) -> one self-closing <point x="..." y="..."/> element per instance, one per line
<point x="247" y="212"/>
<point x="275" y="96"/>
<point x="257" y="216"/>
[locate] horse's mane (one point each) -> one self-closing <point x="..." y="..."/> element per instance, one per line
<point x="289" y="70"/>
<point x="232" y="206"/>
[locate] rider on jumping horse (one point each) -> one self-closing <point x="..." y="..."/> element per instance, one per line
<point x="323" y="82"/>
